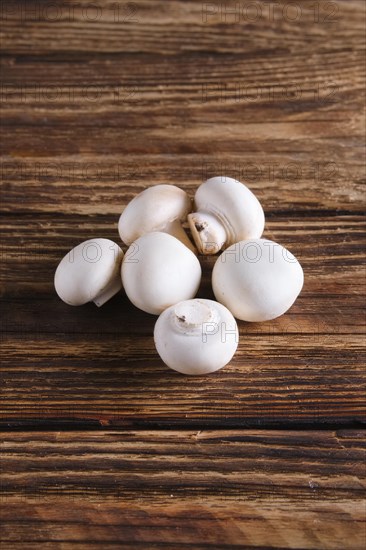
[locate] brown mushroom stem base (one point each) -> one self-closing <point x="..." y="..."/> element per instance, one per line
<point x="207" y="231"/>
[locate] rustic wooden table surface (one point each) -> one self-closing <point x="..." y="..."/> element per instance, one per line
<point x="101" y="444"/>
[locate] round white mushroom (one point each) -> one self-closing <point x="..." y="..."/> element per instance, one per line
<point x="226" y="212"/>
<point x="196" y="336"/>
<point x="158" y="208"/>
<point x="90" y="272"/>
<point x="158" y="271"/>
<point x="257" y="279"/>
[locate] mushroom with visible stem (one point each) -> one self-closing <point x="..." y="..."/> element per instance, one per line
<point x="160" y="208"/>
<point x="226" y="212"/>
<point x="196" y="336"/>
<point x="90" y="272"/>
<point x="158" y="270"/>
<point x="257" y="279"/>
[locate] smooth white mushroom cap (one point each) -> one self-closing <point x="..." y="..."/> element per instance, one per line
<point x="226" y="212"/>
<point x="196" y="336"/>
<point x="158" y="271"/>
<point x="90" y="272"/>
<point x="257" y="279"/>
<point x="154" y="209"/>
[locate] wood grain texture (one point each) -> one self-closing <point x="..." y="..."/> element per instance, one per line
<point x="180" y="26"/>
<point x="101" y="365"/>
<point x="169" y="489"/>
<point x="98" y="103"/>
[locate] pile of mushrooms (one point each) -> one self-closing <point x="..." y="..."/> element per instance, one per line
<point x="253" y="279"/>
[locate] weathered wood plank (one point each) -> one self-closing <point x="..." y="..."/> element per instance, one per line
<point x="274" y="114"/>
<point x="213" y="89"/>
<point x="330" y="248"/>
<point x="341" y="314"/>
<point x="328" y="180"/>
<point x="161" y="27"/>
<point x="120" y="380"/>
<point x="101" y="365"/>
<point x="210" y="489"/>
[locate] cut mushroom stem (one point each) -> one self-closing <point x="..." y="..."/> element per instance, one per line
<point x="191" y="315"/>
<point x="208" y="232"/>
<point x="109" y="291"/>
<point x="175" y="229"/>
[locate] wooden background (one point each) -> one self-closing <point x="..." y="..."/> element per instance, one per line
<point x="101" y="444"/>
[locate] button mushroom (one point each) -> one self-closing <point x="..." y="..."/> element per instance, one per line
<point x="160" y="208"/>
<point x="226" y="212"/>
<point x="257" y="279"/>
<point x="196" y="336"/>
<point x="90" y="272"/>
<point x="158" y="271"/>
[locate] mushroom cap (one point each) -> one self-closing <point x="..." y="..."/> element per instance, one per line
<point x="257" y="279"/>
<point x="234" y="205"/>
<point x="196" y="336"/>
<point x="151" y="210"/>
<point x="87" y="270"/>
<point x="158" y="271"/>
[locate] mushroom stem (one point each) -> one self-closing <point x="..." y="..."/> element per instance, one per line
<point x="208" y="232"/>
<point x="175" y="229"/>
<point x="106" y="294"/>
<point x="192" y="316"/>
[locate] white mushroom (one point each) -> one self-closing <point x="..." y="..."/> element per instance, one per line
<point x="257" y="279"/>
<point x="90" y="272"/>
<point x="226" y="212"/>
<point x="196" y="336"/>
<point x="158" y="271"/>
<point x="158" y="208"/>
